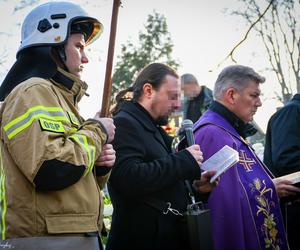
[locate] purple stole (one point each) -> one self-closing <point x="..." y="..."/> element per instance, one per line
<point x="244" y="206"/>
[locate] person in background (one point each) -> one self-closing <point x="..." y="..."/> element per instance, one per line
<point x="196" y="98"/>
<point x="146" y="185"/>
<point x="282" y="157"/>
<point x="245" y="208"/>
<point x="53" y="162"/>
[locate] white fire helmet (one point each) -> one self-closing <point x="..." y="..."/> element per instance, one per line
<point x="51" y="24"/>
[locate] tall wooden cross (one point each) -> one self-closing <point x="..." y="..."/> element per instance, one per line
<point x="106" y="96"/>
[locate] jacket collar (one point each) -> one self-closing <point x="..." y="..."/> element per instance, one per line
<point x="296" y="97"/>
<point x="76" y="86"/>
<point x="243" y="129"/>
<point x="142" y="115"/>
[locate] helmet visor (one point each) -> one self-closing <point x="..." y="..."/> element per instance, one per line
<point x="90" y="28"/>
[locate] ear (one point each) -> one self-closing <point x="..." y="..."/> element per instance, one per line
<point x="230" y="95"/>
<point x="148" y="90"/>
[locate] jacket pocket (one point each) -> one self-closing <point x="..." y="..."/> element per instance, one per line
<point x="71" y="223"/>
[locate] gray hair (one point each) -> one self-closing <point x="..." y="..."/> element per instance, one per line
<point x="236" y="76"/>
<point x="188" y="78"/>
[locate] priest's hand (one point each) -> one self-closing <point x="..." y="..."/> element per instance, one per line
<point x="285" y="188"/>
<point x="203" y="185"/>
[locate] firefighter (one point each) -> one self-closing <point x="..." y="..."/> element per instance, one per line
<point x="53" y="162"/>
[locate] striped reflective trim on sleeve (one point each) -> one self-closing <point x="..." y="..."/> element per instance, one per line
<point x="89" y="149"/>
<point x="22" y="122"/>
<point x="2" y="200"/>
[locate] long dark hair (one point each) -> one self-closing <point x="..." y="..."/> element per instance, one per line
<point x="153" y="73"/>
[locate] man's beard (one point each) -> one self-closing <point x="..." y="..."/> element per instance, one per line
<point x="162" y="121"/>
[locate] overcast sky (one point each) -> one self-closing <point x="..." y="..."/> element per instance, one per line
<point x="202" y="32"/>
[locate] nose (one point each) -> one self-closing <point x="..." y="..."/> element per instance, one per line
<point x="259" y="103"/>
<point x="177" y="104"/>
<point x="84" y="58"/>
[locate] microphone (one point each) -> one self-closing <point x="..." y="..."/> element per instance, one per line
<point x="187" y="129"/>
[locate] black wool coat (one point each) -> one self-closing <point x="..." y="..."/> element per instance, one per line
<point x="282" y="148"/>
<point x="282" y="156"/>
<point x="146" y="167"/>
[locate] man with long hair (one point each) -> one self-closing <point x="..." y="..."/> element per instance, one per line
<point x="147" y="183"/>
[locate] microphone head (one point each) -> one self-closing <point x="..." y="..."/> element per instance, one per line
<point x="187" y="124"/>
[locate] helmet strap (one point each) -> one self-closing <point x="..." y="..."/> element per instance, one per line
<point x="62" y="53"/>
<point x="59" y="56"/>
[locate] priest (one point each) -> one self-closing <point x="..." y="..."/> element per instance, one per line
<point x="244" y="206"/>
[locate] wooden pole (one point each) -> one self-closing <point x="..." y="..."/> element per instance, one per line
<point x="109" y="63"/>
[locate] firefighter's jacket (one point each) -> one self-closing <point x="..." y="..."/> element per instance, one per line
<point x="39" y="123"/>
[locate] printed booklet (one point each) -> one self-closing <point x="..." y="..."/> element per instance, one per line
<point x="222" y="160"/>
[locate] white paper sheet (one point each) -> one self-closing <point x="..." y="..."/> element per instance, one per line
<point x="225" y="158"/>
<point x="293" y="178"/>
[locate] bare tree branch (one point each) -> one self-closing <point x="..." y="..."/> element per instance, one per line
<point x="279" y="33"/>
<point x="230" y="55"/>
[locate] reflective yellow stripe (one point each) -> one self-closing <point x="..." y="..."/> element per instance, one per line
<point x="22" y="122"/>
<point x="73" y="118"/>
<point x="90" y="150"/>
<point x="2" y="199"/>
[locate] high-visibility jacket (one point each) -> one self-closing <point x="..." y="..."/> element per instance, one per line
<point x="39" y="123"/>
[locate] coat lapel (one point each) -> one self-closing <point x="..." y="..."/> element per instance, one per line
<point x="160" y="139"/>
<point x="144" y="118"/>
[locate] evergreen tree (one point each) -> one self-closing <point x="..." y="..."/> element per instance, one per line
<point x="155" y="45"/>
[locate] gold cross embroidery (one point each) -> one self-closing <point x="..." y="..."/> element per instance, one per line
<point x="246" y="162"/>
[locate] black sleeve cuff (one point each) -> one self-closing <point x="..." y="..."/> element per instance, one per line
<point x="56" y="175"/>
<point x="190" y="167"/>
<point x="101" y="170"/>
